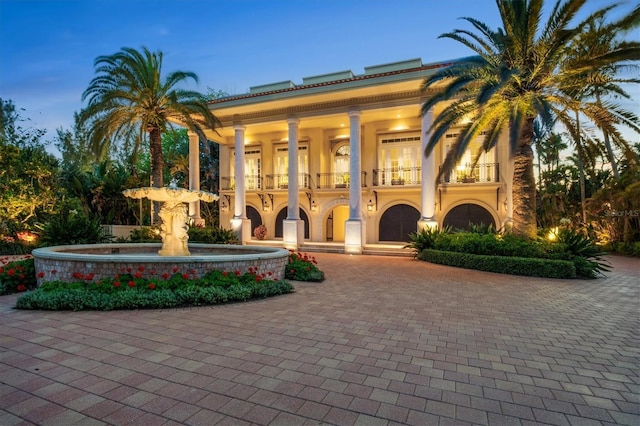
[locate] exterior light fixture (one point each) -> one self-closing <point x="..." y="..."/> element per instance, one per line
<point x="370" y="206"/>
<point x="224" y="203"/>
<point x="314" y="206"/>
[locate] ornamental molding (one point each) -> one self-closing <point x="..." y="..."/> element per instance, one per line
<point x="364" y="103"/>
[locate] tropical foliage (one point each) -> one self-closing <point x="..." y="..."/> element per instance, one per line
<point x="129" y="95"/>
<point x="521" y="74"/>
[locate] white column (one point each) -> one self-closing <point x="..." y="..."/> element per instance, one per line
<point x="239" y="223"/>
<point x="293" y="206"/>
<point x="194" y="175"/>
<point x="429" y="171"/>
<point x="354" y="230"/>
<point x="293" y="227"/>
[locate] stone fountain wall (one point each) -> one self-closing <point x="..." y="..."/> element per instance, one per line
<point x="66" y="263"/>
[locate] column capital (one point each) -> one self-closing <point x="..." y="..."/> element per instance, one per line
<point x="293" y="121"/>
<point x="239" y="127"/>
<point x="354" y="112"/>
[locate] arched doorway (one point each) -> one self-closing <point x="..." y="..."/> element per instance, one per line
<point x="335" y="223"/>
<point x="254" y="216"/>
<point x="397" y="222"/>
<point x="282" y="215"/>
<point x="461" y="216"/>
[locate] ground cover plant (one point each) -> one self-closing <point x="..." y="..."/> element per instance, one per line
<point x="16" y="276"/>
<point x="130" y="291"/>
<point x="572" y="253"/>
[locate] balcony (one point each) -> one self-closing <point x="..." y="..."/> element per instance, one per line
<point x="281" y="181"/>
<point x="397" y="176"/>
<point x="251" y="183"/>
<point x="337" y="180"/>
<point x="481" y="173"/>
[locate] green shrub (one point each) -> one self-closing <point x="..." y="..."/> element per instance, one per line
<point x="502" y="264"/>
<point x="212" y="235"/>
<point x="72" y="227"/>
<point x="127" y="292"/>
<point x="17" y="276"/>
<point x="302" y="267"/>
<point x="145" y="234"/>
<point x="425" y="238"/>
<point x="583" y="251"/>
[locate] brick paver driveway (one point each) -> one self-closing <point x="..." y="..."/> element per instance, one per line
<point x="382" y="341"/>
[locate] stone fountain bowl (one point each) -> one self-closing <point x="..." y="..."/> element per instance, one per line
<point x="64" y="263"/>
<point x="170" y="194"/>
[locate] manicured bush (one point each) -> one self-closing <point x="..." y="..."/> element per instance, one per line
<point x="128" y="292"/>
<point x="303" y="267"/>
<point x="212" y="235"/>
<point x="72" y="227"/>
<point x="502" y="264"/>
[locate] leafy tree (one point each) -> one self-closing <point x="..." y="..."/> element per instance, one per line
<point x="129" y="94"/>
<point x="518" y="76"/>
<point x="28" y="174"/>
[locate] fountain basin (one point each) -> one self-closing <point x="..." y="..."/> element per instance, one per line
<point x="64" y="263"/>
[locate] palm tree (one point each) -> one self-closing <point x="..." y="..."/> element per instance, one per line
<point x="129" y="93"/>
<point x="517" y="77"/>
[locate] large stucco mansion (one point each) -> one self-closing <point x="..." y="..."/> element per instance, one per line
<point x="339" y="160"/>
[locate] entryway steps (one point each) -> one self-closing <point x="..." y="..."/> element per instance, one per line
<point x="338" y="247"/>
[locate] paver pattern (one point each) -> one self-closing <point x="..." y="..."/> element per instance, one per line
<point x="383" y="340"/>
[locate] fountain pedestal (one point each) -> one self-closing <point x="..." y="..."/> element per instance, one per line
<point x="173" y="213"/>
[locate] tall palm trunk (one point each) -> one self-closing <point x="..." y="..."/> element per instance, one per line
<point x="524" y="185"/>
<point x="607" y="144"/>
<point x="581" y="178"/>
<point x="157" y="166"/>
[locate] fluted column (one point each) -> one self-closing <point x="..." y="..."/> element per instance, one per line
<point x="292" y="226"/>
<point x="353" y="227"/>
<point x="194" y="174"/>
<point x="429" y="171"/>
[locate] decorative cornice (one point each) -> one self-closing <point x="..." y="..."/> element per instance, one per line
<point x="414" y="97"/>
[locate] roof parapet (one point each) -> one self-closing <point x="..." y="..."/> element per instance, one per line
<point x="393" y="66"/>
<point x="272" y="86"/>
<point x="325" y="78"/>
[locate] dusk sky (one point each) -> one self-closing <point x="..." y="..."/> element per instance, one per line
<point x="48" y="47"/>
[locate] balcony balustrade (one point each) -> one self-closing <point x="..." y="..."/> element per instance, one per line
<point x="482" y="172"/>
<point x="251" y="183"/>
<point x="281" y="181"/>
<point x="397" y="176"/>
<point x="337" y="180"/>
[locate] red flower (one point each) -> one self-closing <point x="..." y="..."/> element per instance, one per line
<point x="175" y="269"/>
<point x="185" y="276"/>
<point x="138" y="275"/>
<point x="22" y="276"/>
<point x="116" y="284"/>
<point x="21" y="287"/>
<point x="11" y="272"/>
<point x="90" y="276"/>
<point x="293" y="271"/>
<point x="1" y="270"/>
<point x="151" y="286"/>
<point x="269" y="273"/>
<point x="40" y="274"/>
<point x="140" y="268"/>
<point x="128" y="269"/>
<point x="258" y="278"/>
<point x="225" y="273"/>
<point x="54" y="271"/>
<point x="152" y="272"/>
<point x="165" y="275"/>
<point x="131" y="284"/>
<point x="237" y="272"/>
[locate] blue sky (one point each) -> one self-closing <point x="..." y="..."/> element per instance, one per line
<point x="47" y="47"/>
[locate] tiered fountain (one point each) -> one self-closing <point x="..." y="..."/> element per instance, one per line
<point x="64" y="263"/>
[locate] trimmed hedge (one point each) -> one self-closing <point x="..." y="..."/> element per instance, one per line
<point x="531" y="267"/>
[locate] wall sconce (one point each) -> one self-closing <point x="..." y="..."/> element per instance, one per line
<point x="225" y="200"/>
<point x="265" y="203"/>
<point x="373" y="205"/>
<point x="314" y="206"/>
